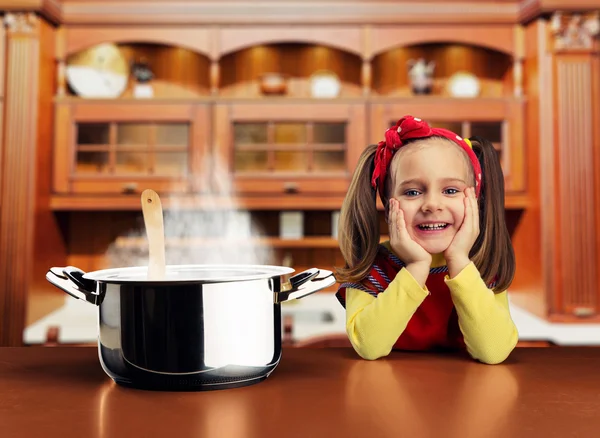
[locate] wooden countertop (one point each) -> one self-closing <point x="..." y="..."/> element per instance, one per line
<point x="538" y="392"/>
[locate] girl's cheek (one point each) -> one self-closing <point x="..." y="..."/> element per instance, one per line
<point x="459" y="211"/>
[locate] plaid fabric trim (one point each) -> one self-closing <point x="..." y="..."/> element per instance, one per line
<point x="400" y="263"/>
<point x="359" y="287"/>
<point x="383" y="275"/>
<point x="390" y="255"/>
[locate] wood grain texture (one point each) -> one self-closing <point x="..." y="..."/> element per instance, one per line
<point x="2" y="88"/>
<point x="530" y="289"/>
<point x="296" y="12"/>
<point x="576" y="181"/>
<point x="196" y="39"/>
<point x="344" y="38"/>
<point x="17" y="216"/>
<point x="534" y="388"/>
<point x="201" y="11"/>
<point x="155" y="232"/>
<point x="496" y="38"/>
<point x="49" y="240"/>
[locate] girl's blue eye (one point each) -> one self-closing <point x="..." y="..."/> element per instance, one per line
<point x="411" y="193"/>
<point x="452" y="191"/>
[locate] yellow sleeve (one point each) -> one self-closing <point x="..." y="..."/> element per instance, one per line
<point x="373" y="323"/>
<point x="483" y="317"/>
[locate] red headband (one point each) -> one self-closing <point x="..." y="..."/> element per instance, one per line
<point x="409" y="127"/>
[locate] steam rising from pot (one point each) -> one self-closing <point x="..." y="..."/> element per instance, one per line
<point x="220" y="233"/>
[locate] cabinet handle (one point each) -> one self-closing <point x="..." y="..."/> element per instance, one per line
<point x="129" y="188"/>
<point x="290" y="187"/>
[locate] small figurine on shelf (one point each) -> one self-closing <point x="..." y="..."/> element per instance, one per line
<point x="420" y="74"/>
<point x="143" y="75"/>
<point x="273" y="84"/>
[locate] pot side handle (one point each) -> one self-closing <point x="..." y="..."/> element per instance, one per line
<point x="306" y="283"/>
<point x="70" y="280"/>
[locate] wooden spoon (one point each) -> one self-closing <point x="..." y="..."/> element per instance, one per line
<point x="153" y="219"/>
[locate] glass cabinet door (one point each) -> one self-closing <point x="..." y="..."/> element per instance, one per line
<point x="280" y="147"/>
<point x="124" y="148"/>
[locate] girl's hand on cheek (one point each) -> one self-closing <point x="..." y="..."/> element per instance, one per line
<point x="403" y="245"/>
<point x="457" y="254"/>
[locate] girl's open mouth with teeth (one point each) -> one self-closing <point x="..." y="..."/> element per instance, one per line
<point x="432" y="227"/>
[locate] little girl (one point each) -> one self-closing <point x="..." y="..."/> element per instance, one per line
<point x="440" y="281"/>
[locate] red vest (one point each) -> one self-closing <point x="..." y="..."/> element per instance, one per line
<point x="434" y="324"/>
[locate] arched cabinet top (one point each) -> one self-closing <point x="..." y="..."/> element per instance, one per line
<point x="348" y="38"/>
<point x="216" y="43"/>
<point x="500" y="38"/>
<point x="196" y="40"/>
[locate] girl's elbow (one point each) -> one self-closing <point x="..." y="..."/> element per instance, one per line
<point x="368" y="350"/>
<point x="493" y="359"/>
<point x="499" y="355"/>
<point x="371" y="354"/>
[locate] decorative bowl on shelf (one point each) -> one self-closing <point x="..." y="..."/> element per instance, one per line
<point x="325" y="84"/>
<point x="463" y="84"/>
<point x="273" y="83"/>
<point x="98" y="72"/>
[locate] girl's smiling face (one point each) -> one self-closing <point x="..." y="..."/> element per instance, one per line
<point x="429" y="178"/>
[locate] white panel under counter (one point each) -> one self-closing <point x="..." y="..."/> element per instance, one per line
<point x="319" y="314"/>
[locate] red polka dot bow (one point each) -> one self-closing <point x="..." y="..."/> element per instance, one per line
<point x="409" y="127"/>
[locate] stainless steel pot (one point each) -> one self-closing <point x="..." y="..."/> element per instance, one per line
<point x="201" y="327"/>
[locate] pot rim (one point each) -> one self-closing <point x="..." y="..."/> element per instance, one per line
<point x="204" y="273"/>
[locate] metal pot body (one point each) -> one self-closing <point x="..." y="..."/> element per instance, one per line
<point x="189" y="335"/>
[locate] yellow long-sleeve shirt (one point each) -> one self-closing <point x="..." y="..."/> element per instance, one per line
<point x="374" y="324"/>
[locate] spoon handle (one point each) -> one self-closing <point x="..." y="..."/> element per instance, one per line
<point x="153" y="219"/>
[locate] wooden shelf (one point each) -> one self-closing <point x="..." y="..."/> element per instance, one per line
<point x="189" y="202"/>
<point x="374" y="98"/>
<point x="67" y="99"/>
<point x="309" y="242"/>
<point x="273" y="242"/>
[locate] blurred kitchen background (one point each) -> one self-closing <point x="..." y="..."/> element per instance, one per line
<point x="248" y="118"/>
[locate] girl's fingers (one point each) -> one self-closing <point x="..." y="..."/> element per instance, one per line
<point x="472" y="211"/>
<point x="467" y="201"/>
<point x="475" y="212"/>
<point x="394" y="220"/>
<point x="401" y="224"/>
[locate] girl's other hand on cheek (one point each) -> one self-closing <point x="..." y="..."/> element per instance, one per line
<point x="457" y="254"/>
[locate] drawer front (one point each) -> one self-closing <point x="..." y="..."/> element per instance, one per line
<point x="291" y="186"/>
<point x="127" y="186"/>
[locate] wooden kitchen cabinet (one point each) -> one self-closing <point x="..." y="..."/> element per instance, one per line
<point x="289" y="149"/>
<point x="124" y="147"/>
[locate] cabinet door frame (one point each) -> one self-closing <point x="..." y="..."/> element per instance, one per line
<point x="69" y="114"/>
<point x="509" y="111"/>
<point x="354" y="114"/>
